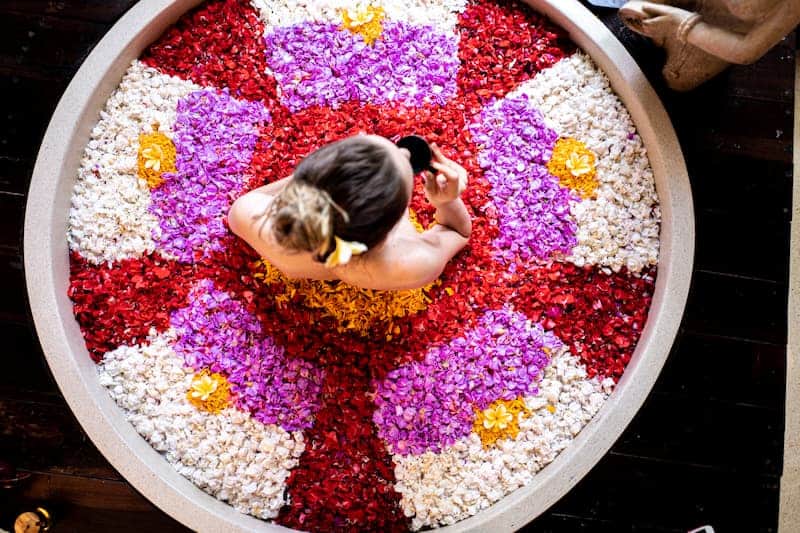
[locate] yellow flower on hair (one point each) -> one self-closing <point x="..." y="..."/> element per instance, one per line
<point x="364" y="311"/>
<point x="344" y="251"/>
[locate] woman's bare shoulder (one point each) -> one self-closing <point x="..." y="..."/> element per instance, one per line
<point x="406" y="262"/>
<point x="248" y="212"/>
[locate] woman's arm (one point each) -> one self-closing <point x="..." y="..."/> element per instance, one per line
<point x="454" y="216"/>
<point x="243" y="215"/>
<point x="444" y="193"/>
<point x="427" y="254"/>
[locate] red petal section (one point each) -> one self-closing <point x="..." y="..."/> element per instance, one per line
<point x="502" y="44"/>
<point x="119" y="304"/>
<point x="220" y="44"/>
<point x="345" y="479"/>
<point x="600" y="316"/>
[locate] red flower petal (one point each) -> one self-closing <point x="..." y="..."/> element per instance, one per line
<point x="220" y="44"/>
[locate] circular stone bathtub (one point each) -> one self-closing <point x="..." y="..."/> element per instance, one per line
<point x="47" y="273"/>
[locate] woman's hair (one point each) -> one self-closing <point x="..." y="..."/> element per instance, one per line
<point x="351" y="189"/>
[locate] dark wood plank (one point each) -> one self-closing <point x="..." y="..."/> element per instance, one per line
<point x="694" y="431"/>
<point x="711" y="368"/>
<point x="107" y="11"/>
<point x="14" y="303"/>
<point x="68" y="518"/>
<point x="561" y="523"/>
<point x="84" y="492"/>
<point x="30" y="39"/>
<point x="647" y="495"/>
<point x="38" y="433"/>
<point x="12" y="220"/>
<point x="742" y="209"/>
<point x="743" y="243"/>
<point x="25" y="366"/>
<point x="26" y="110"/>
<point x="721" y="129"/>
<point x="730" y="306"/>
<point x="15" y="174"/>
<point x="83" y="504"/>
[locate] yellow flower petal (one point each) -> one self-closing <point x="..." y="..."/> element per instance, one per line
<point x="578" y="164"/>
<point x="343" y="252"/>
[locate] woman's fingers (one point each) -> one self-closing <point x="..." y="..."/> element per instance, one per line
<point x="447" y="170"/>
<point x="434" y="184"/>
<point x="439" y="156"/>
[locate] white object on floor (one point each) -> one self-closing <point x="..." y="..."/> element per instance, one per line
<point x="703" y="529"/>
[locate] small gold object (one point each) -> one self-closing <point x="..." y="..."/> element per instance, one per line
<point x="33" y="522"/>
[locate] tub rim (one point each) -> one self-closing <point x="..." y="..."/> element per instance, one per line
<point x="46" y="263"/>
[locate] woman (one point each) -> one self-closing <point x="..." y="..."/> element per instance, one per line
<point x="343" y="214"/>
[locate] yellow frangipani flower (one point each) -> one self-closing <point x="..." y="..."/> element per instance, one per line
<point x="156" y="157"/>
<point x="499" y="421"/>
<point x="152" y="157"/>
<point x="575" y="166"/>
<point x="209" y="391"/>
<point x="578" y="164"/>
<point x="366" y="22"/>
<point x="203" y="387"/>
<point x="498" y="417"/>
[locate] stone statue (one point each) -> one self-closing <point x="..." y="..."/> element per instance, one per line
<point x="703" y="37"/>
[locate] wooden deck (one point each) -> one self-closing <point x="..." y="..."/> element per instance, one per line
<point x="705" y="449"/>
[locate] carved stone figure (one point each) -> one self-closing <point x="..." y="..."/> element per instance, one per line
<point x="703" y="37"/>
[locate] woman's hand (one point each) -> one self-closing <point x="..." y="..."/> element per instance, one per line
<point x="450" y="180"/>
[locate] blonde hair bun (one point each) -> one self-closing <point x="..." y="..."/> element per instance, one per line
<point x="302" y="218"/>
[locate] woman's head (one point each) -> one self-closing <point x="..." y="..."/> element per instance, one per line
<point x="356" y="189"/>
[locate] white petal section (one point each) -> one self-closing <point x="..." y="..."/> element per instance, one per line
<point x="441" y="14"/>
<point x="109" y="219"/>
<point x="620" y="227"/>
<point x="229" y="455"/>
<point x="443" y="488"/>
